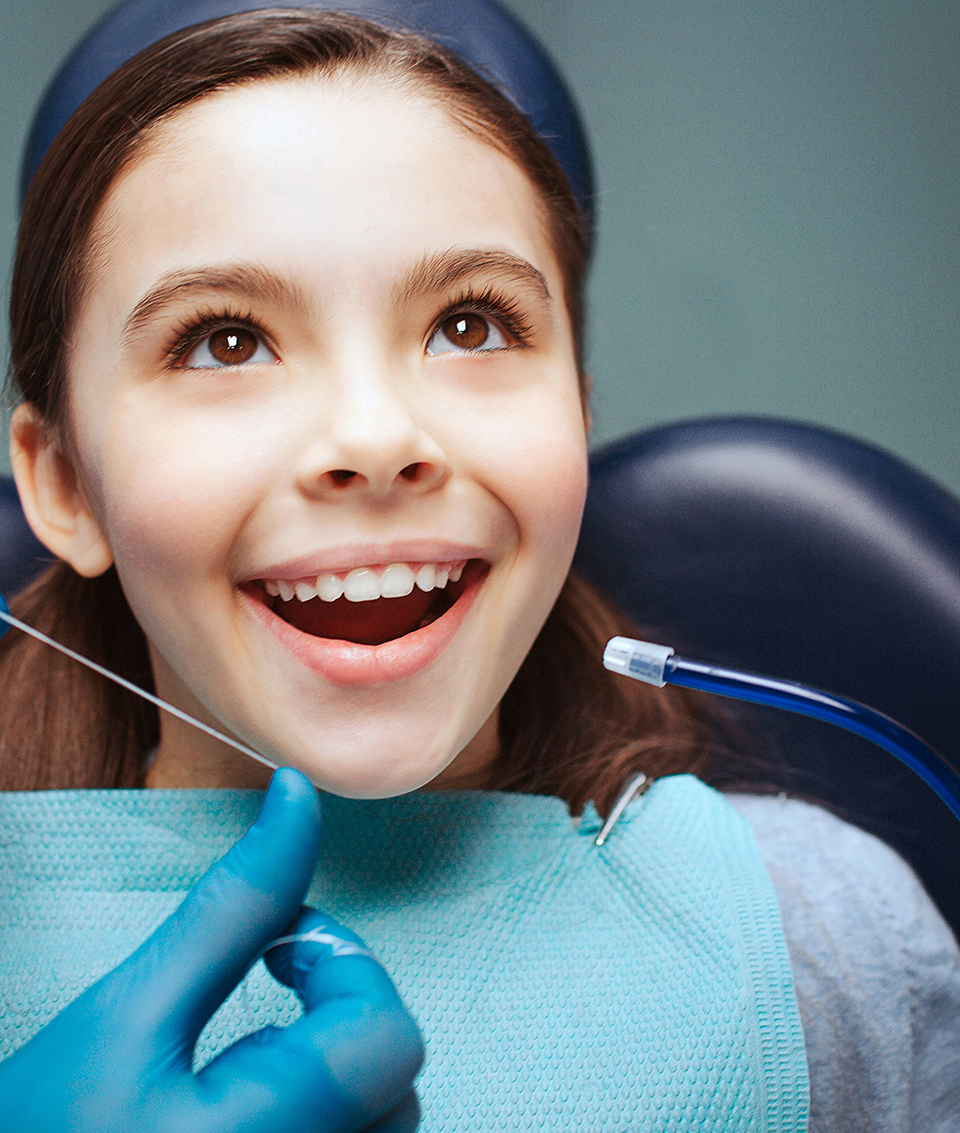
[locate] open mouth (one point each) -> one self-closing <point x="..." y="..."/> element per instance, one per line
<point x="371" y="605"/>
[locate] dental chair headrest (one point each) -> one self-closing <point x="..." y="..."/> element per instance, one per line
<point x="486" y="37"/>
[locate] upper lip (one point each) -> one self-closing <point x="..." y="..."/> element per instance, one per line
<point x="344" y="558"/>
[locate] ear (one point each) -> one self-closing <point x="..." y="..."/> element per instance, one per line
<point x="52" y="498"/>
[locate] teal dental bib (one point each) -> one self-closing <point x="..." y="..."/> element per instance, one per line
<point x="641" y="986"/>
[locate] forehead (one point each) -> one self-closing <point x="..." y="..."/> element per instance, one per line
<point x="323" y="171"/>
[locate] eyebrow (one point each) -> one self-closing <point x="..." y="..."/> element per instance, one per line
<point x="248" y="280"/>
<point x="433" y="273"/>
<point x="444" y="269"/>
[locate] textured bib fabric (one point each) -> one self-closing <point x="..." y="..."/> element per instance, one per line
<point x="641" y="986"/>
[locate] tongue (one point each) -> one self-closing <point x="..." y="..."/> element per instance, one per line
<point x="367" y="623"/>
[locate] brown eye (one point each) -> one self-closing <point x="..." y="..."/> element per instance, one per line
<point x="469" y="332"/>
<point x="228" y="346"/>
<point x="466" y="331"/>
<point x="233" y="345"/>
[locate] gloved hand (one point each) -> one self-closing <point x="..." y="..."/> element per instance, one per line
<point x="118" y="1059"/>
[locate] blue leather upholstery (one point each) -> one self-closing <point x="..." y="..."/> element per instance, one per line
<point x="787" y="549"/>
<point x="22" y="555"/>
<point x="484" y="35"/>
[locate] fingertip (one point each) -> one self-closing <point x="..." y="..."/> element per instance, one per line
<point x="288" y="787"/>
<point x="297" y="964"/>
<point x="291" y="809"/>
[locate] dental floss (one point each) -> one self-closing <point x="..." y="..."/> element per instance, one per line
<point x="337" y="945"/>
<point x="658" y="665"/>
<point x="7" y="617"/>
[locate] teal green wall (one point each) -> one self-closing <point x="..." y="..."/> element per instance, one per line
<point x="780" y="226"/>
<point x="780" y="211"/>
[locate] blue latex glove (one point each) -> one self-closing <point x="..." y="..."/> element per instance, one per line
<point x="118" y="1059"/>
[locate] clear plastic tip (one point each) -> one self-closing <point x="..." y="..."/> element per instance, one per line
<point x="641" y="660"/>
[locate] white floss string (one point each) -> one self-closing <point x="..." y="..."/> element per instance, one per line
<point x="337" y="945"/>
<point x="130" y="687"/>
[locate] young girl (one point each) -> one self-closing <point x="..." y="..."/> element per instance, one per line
<point x="297" y="328"/>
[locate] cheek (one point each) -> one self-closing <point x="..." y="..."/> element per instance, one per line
<point x="556" y="484"/>
<point x="174" y="488"/>
<point x="537" y="462"/>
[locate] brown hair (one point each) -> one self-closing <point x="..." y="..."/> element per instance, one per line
<point x="567" y="728"/>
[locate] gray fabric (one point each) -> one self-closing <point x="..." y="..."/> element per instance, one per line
<point x="877" y="973"/>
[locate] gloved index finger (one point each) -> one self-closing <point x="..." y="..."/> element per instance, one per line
<point x="354" y="1016"/>
<point x="185" y="970"/>
<point x="351" y="1057"/>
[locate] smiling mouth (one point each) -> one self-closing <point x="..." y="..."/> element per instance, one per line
<point x="371" y="608"/>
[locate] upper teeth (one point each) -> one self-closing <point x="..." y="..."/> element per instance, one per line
<point x="366" y="583"/>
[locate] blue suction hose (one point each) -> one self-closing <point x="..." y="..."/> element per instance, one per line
<point x="658" y="665"/>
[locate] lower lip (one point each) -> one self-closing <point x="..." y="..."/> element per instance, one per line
<point x="347" y="663"/>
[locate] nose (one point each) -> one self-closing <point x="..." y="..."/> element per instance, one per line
<point x="370" y="441"/>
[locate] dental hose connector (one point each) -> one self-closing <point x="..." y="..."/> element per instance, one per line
<point x="641" y="660"/>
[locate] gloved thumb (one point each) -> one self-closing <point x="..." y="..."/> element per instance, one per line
<point x="185" y="970"/>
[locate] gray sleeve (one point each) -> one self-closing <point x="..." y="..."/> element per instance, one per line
<point x="877" y="973"/>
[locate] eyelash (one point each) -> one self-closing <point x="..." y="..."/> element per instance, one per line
<point x="495" y="305"/>
<point x="192" y="331"/>
<point x="490" y="303"/>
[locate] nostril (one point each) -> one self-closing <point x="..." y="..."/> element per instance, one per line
<point x="411" y="472"/>
<point x="341" y="475"/>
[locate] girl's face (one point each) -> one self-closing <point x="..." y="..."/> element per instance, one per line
<point x="324" y="348"/>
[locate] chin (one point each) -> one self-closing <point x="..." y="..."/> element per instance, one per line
<point x="366" y="753"/>
<point x="368" y="775"/>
